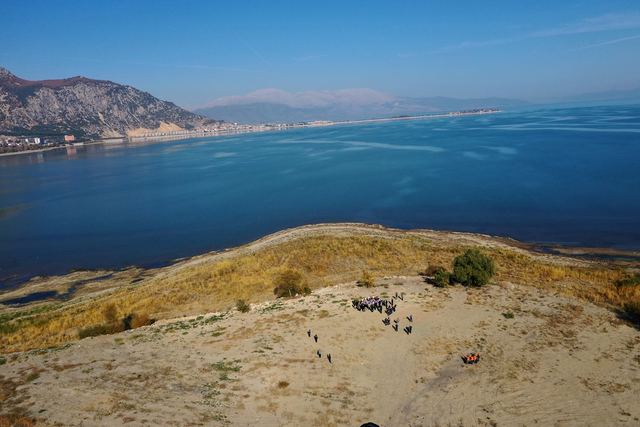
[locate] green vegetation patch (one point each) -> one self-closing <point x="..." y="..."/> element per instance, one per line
<point x="227" y="365"/>
<point x="629" y="281"/>
<point x="218" y="332"/>
<point x="473" y="268"/>
<point x="276" y="306"/>
<point x="224" y="367"/>
<point x="441" y="277"/>
<point x="33" y="377"/>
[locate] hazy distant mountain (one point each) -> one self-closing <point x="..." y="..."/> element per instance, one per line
<point x="86" y="108"/>
<point x="277" y="106"/>
<point x="603" y="96"/>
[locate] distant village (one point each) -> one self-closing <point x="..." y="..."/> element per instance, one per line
<point x="13" y="144"/>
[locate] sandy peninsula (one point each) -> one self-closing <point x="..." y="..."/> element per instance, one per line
<point x="548" y="359"/>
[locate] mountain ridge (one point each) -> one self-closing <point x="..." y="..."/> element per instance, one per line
<point x="306" y="99"/>
<point x="86" y="107"/>
<point x="277" y="106"/>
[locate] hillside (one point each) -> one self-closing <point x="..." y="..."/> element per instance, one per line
<point x="550" y="356"/>
<point x="87" y="108"/>
<point x="277" y="106"/>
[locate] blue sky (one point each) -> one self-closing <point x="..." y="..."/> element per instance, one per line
<point x="192" y="52"/>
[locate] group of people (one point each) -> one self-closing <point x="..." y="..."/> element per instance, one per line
<point x="375" y="303"/>
<point x="371" y="303"/>
<point x="315" y="337"/>
<point x="319" y="352"/>
<point x="472" y="358"/>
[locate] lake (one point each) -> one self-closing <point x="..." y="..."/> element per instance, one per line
<point x="564" y="174"/>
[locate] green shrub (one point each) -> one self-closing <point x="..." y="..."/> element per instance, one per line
<point x="441" y="278"/>
<point x="629" y="281"/>
<point x="288" y="283"/>
<point x="473" y="268"/>
<point x="243" y="306"/>
<point x="509" y="315"/>
<point x="224" y="366"/>
<point x="366" y="280"/>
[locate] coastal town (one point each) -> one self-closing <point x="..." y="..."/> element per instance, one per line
<point x="21" y="144"/>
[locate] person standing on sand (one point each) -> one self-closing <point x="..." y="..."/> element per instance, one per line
<point x="319" y="353"/>
<point x="315" y="337"/>
<point x="329" y="357"/>
<point x="309" y="332"/>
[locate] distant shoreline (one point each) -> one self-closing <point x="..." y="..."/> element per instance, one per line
<point x="240" y="129"/>
<point x="267" y="127"/>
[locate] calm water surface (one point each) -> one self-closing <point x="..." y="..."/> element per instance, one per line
<point x="555" y="174"/>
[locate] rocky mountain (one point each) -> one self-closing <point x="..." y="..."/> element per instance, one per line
<point x="87" y="108"/>
<point x="278" y="106"/>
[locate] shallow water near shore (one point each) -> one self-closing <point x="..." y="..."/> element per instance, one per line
<point x="551" y="174"/>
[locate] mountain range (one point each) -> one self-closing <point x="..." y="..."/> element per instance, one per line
<point x="604" y="96"/>
<point x="87" y="108"/>
<point x="278" y="106"/>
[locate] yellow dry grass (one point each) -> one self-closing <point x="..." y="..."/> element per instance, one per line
<point x="323" y="259"/>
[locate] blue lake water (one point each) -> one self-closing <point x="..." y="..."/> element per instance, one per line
<point x="556" y="174"/>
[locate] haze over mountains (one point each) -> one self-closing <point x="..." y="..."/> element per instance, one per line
<point x="278" y="106"/>
<point x="88" y="108"/>
<point x="603" y="96"/>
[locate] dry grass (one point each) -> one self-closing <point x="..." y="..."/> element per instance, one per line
<point x="17" y="420"/>
<point x="322" y="259"/>
<point x="596" y="285"/>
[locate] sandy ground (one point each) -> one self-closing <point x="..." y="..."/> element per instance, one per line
<point x="557" y="362"/>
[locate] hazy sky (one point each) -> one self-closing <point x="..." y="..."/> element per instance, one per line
<point x="192" y="52"/>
